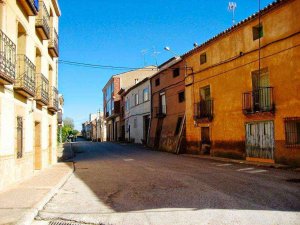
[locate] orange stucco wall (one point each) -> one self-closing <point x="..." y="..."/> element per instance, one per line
<point x="229" y="75"/>
<point x="171" y="86"/>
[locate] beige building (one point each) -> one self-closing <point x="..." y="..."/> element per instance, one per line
<point x="28" y="87"/>
<point x="112" y="107"/>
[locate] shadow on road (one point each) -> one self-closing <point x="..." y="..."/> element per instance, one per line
<point x="132" y="178"/>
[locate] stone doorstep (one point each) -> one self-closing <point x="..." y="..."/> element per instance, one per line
<point x="263" y="164"/>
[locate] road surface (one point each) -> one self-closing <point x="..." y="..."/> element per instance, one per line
<point x="130" y="184"/>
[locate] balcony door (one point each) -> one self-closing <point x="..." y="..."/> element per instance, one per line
<point x="261" y="90"/>
<point x="162" y="103"/>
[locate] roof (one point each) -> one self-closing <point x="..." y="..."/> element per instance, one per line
<point x="140" y="70"/>
<point x="171" y="62"/>
<point x="136" y="85"/>
<point x="254" y="16"/>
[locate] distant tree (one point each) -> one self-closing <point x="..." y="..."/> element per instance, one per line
<point x="69" y="122"/>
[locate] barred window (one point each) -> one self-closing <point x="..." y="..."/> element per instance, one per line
<point x="292" y="131"/>
<point x="19" y="137"/>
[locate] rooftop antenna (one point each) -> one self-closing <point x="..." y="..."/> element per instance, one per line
<point x="144" y="53"/>
<point x="155" y="54"/>
<point x="231" y="7"/>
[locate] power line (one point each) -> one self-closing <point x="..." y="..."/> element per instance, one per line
<point x="97" y="66"/>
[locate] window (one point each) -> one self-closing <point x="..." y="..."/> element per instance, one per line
<point x="157" y="81"/>
<point x="292" y="131"/>
<point x="127" y="104"/>
<point x="136" y="99"/>
<point x="257" y="32"/>
<point x="146" y="94"/>
<point x="178" y="125"/>
<point x="19" y="137"/>
<point x="176" y="72"/>
<point x="181" y="97"/>
<point x="205" y="93"/>
<point x="203" y="58"/>
<point x="135" y="123"/>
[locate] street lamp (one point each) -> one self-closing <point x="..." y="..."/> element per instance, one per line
<point x="167" y="48"/>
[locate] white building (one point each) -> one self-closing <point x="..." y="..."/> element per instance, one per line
<point x="137" y="112"/>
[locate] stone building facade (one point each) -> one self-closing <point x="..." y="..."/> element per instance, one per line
<point x="28" y="87"/>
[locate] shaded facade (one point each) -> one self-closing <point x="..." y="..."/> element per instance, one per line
<point x="168" y="106"/>
<point x="242" y="99"/>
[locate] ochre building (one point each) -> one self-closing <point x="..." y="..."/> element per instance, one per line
<point x="243" y="98"/>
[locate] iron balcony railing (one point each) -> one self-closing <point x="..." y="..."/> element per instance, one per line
<point x="25" y="81"/>
<point x="160" y="112"/>
<point x="53" y="105"/>
<point x="7" y="59"/>
<point x="42" y="89"/>
<point x="204" y="109"/>
<point x="260" y="100"/>
<point x="43" y="19"/>
<point x="53" y="42"/>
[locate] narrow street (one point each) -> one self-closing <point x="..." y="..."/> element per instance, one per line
<point x="130" y="184"/>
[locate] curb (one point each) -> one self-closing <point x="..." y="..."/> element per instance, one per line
<point x="30" y="215"/>
<point x="219" y="159"/>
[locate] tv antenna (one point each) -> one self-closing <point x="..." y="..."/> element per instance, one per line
<point x="155" y="54"/>
<point x="144" y="53"/>
<point x="231" y="7"/>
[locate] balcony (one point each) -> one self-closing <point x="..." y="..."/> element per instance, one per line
<point x="25" y="81"/>
<point x="42" y="22"/>
<point x="30" y="7"/>
<point x="160" y="112"/>
<point x="53" y="43"/>
<point x="7" y="60"/>
<point x="258" y="101"/>
<point x="203" y="110"/>
<point x="42" y="90"/>
<point x="53" y="104"/>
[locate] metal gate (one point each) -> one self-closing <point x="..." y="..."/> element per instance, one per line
<point x="260" y="140"/>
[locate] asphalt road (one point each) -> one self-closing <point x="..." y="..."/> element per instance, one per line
<point x="130" y="184"/>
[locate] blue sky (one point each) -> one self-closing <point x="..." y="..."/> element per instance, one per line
<point x="115" y="32"/>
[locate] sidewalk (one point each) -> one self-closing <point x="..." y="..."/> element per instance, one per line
<point x="272" y="165"/>
<point x="20" y="203"/>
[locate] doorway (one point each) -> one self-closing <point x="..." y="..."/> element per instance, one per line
<point x="260" y="140"/>
<point x="50" y="145"/>
<point x="37" y="146"/>
<point x="146" y="129"/>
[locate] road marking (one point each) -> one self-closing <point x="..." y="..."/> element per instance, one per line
<point x="127" y="160"/>
<point x="256" y="171"/>
<point x="245" y="169"/>
<point x="227" y="164"/>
